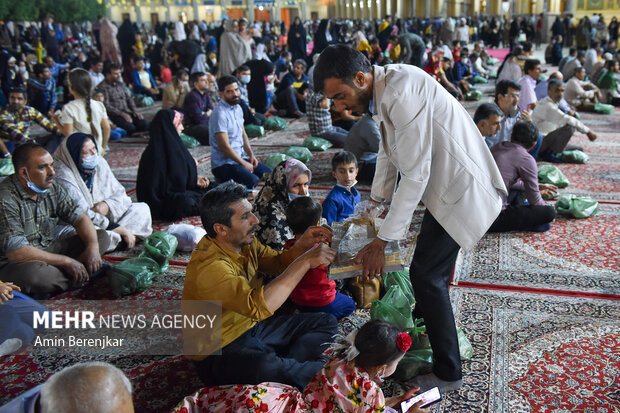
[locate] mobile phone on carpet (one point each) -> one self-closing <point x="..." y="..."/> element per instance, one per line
<point x="430" y="397"/>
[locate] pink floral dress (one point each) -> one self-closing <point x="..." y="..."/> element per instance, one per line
<point x="339" y="387"/>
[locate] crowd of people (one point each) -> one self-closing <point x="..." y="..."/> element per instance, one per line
<point x="387" y="92"/>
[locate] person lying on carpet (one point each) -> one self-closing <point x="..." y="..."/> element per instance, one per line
<point x="256" y="346"/>
<point x="289" y="180"/>
<point x="89" y="181"/>
<point x="314" y="293"/>
<point x="31" y="255"/>
<point x="349" y="381"/>
<point x="168" y="178"/>
<point x="94" y="387"/>
<point x="520" y="175"/>
<point x="556" y="126"/>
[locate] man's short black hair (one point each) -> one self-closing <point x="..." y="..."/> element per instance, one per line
<point x="224" y="81"/>
<point x="553" y="83"/>
<point x="485" y="111"/>
<point x="18" y="89"/>
<point x="21" y="155"/>
<point x="340" y="62"/>
<point x="525" y="133"/>
<point x="503" y="85"/>
<point x="180" y="73"/>
<point x="108" y="67"/>
<point x="302" y="213"/>
<point x="215" y="205"/>
<point x="38" y="69"/>
<point x="285" y="53"/>
<point x="530" y="64"/>
<point x="193" y="78"/>
<point x="343" y="157"/>
<point x="572" y="51"/>
<point x="95" y="60"/>
<point x="242" y="68"/>
<point x="527" y="46"/>
<point x="301" y="62"/>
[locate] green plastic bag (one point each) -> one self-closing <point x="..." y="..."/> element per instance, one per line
<point x="301" y="153"/>
<point x="144" y="101"/>
<point x="574" y="156"/>
<point x="475" y="95"/>
<point x="400" y="278"/>
<point x="549" y="174"/>
<point x="317" y="144"/>
<point x="576" y="206"/>
<point x="275" y="123"/>
<point x="479" y="79"/>
<point x="465" y="348"/>
<point x="604" y="108"/>
<point x="492" y="61"/>
<point x="189" y="142"/>
<point x="254" y="131"/>
<point x="382" y="311"/>
<point x="132" y="276"/>
<point x="6" y="167"/>
<point x="160" y="246"/>
<point x="492" y="74"/>
<point x="274" y="159"/>
<point x="415" y="362"/>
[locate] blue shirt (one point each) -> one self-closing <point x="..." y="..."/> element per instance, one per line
<point x="289" y="80"/>
<point x="340" y="204"/>
<point x="228" y="119"/>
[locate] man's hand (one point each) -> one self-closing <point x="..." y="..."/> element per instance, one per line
<point x="314" y="235"/>
<point x="6" y="291"/>
<point x="101" y="208"/>
<point x="247" y="165"/>
<point x="203" y="182"/>
<point x="138" y="115"/>
<point x="319" y="256"/>
<point x="91" y="259"/>
<point x="372" y="257"/>
<point x="127" y="117"/>
<point x="592" y="136"/>
<point x="253" y="161"/>
<point x="127" y="236"/>
<point x="548" y="191"/>
<point x="525" y="115"/>
<point x="76" y="270"/>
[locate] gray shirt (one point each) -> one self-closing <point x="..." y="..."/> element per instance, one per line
<point x="363" y="137"/>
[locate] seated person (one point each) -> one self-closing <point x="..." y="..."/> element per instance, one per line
<point x="250" y="117"/>
<point x="608" y="83"/>
<point x="571" y="66"/>
<point x="349" y="382"/>
<point x="290" y="179"/>
<point x="477" y="65"/>
<point x="341" y="200"/>
<point x="30" y="254"/>
<point x="143" y="80"/>
<point x="445" y="76"/>
<point x="116" y="133"/>
<point x="226" y="266"/>
<point x="527" y="98"/>
<point x="292" y="91"/>
<point x="42" y="90"/>
<point x="363" y="141"/>
<point x="88" y="180"/>
<point x="488" y="119"/>
<point x="572" y="54"/>
<point x="197" y="108"/>
<point x="168" y="179"/>
<point x="511" y="67"/>
<point x="212" y="89"/>
<point x="282" y="64"/>
<point x="462" y="71"/>
<point x="118" y="101"/>
<point x="556" y="126"/>
<point x="581" y="94"/>
<point x="320" y="119"/>
<point x="520" y="174"/>
<point x="95" y="387"/>
<point x="541" y="93"/>
<point x="15" y="122"/>
<point x="314" y="293"/>
<point x="175" y="91"/>
<point x="16" y="312"/>
<point x="231" y="155"/>
<point x="56" y="69"/>
<point x="96" y="70"/>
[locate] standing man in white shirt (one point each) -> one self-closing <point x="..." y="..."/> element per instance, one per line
<point x="556" y="126"/>
<point x="527" y="99"/>
<point x="431" y="141"/>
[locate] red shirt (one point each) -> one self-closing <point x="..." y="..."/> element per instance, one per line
<point x="314" y="290"/>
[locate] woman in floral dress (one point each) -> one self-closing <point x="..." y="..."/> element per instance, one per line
<point x="348" y="383"/>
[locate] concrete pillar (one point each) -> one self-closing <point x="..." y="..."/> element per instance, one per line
<point x="136" y="8"/>
<point x="427" y="8"/>
<point x="400" y="8"/>
<point x="303" y="6"/>
<point x="195" y="10"/>
<point x="276" y="12"/>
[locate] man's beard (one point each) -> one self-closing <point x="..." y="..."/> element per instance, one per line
<point x="14" y="108"/>
<point x="513" y="111"/>
<point x="233" y="101"/>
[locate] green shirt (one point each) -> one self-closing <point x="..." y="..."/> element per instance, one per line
<point x="24" y="221"/>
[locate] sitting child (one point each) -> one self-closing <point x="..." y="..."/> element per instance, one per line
<point x="314" y="293"/>
<point x="116" y="133"/>
<point x="341" y="200"/>
<point x="143" y="81"/>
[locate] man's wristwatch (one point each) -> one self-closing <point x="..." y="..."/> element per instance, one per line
<point x="6" y="155"/>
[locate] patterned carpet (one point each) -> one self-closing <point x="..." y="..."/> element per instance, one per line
<point x="542" y="310"/>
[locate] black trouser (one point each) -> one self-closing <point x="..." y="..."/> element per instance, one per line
<point x="431" y="270"/>
<point x="281" y="349"/>
<point x="200" y="132"/>
<point x="555" y="141"/>
<point x="136" y="125"/>
<point x="523" y="218"/>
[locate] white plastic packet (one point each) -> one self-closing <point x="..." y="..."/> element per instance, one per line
<point x="188" y="235"/>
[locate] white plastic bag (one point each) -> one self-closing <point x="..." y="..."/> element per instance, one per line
<point x="188" y="235"/>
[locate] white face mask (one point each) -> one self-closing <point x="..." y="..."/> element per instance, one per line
<point x="245" y="79"/>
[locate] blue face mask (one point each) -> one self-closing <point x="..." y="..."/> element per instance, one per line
<point x="32" y="186"/>
<point x="295" y="196"/>
<point x="90" y="162"/>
